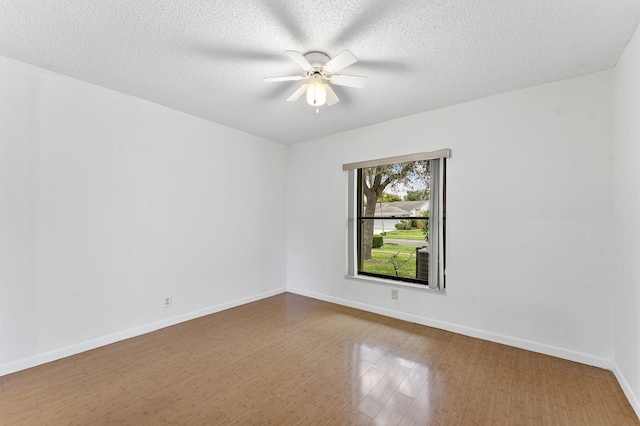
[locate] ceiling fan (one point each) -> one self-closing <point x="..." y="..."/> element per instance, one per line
<point x="318" y="67"/>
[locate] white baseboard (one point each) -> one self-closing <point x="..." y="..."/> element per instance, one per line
<point x="542" y="348"/>
<point x="43" y="358"/>
<point x="627" y="389"/>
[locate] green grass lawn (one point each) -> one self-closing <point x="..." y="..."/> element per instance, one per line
<point x="412" y="234"/>
<point x="381" y="261"/>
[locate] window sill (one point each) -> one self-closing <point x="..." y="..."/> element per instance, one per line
<point x="393" y="283"/>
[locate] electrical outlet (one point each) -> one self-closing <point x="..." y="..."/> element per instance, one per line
<point x="394" y="293"/>
<point x="167" y="302"/>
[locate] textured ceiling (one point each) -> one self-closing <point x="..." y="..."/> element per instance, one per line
<point x="208" y="57"/>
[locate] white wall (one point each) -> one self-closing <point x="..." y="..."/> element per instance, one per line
<point x="108" y="203"/>
<point x="530" y="259"/>
<point x="627" y="221"/>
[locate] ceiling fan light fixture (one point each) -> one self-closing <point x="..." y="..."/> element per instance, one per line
<point x="317" y="68"/>
<point x="316" y="94"/>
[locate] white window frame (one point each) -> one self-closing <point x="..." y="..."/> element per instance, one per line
<point x="436" y="223"/>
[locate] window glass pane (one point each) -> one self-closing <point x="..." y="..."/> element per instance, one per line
<point x="393" y="221"/>
<point x="399" y="254"/>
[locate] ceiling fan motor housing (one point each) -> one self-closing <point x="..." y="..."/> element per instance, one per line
<point x="317" y="59"/>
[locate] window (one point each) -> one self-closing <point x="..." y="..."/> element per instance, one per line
<point x="397" y="217"/>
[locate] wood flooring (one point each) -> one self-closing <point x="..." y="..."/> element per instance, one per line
<point x="293" y="360"/>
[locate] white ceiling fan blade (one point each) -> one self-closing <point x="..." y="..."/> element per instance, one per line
<point x="296" y="95"/>
<point x="357" y="81"/>
<point x="290" y="78"/>
<point x="299" y="59"/>
<point x="342" y="60"/>
<point x="332" y="98"/>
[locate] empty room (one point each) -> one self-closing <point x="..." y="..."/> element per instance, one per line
<point x="320" y="212"/>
